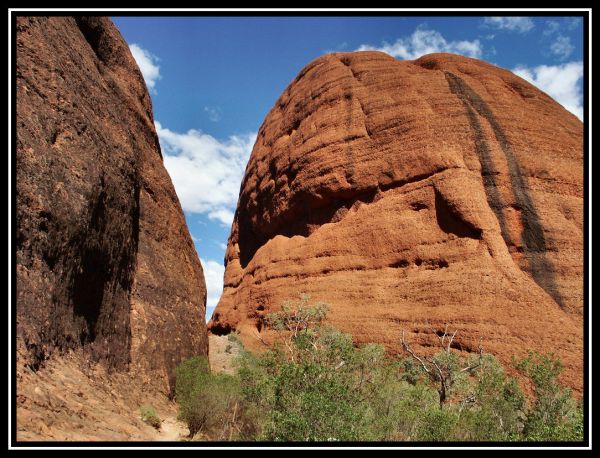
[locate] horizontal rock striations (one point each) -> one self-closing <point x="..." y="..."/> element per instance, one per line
<point x="409" y="195"/>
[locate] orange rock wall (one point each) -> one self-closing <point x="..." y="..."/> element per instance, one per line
<point x="409" y="195"/>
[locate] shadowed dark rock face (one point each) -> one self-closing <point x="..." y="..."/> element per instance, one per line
<point x="104" y="258"/>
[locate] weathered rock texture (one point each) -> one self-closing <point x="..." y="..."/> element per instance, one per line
<point x="104" y="258"/>
<point x="411" y="194"/>
<point x="70" y="399"/>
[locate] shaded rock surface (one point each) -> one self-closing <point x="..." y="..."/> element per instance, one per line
<point x="409" y="195"/>
<point x="105" y="263"/>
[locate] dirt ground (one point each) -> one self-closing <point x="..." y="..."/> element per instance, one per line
<point x="71" y="400"/>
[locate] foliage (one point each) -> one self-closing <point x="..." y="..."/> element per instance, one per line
<point x="208" y="402"/>
<point x="149" y="416"/>
<point x="553" y="414"/>
<point x="314" y="384"/>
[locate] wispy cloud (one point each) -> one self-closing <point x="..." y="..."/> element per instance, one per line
<point x="425" y="41"/>
<point x="213" y="276"/>
<point x="206" y="172"/>
<point x="551" y="27"/>
<point x="148" y="64"/>
<point x="214" y="113"/>
<point x="562" y="47"/>
<point x="561" y="82"/>
<point x="220" y="244"/>
<point x="573" y="22"/>
<point x="517" y="24"/>
<point x="340" y="47"/>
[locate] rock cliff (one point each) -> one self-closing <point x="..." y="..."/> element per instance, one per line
<point x="104" y="260"/>
<point x="409" y="195"/>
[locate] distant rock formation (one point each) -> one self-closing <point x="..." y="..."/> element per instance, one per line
<point x="104" y="258"/>
<point x="411" y="194"/>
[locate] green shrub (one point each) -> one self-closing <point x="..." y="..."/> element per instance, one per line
<point x="437" y="425"/>
<point x="149" y="416"/>
<point x="314" y="384"/>
<point x="234" y="339"/>
<point x="208" y="402"/>
<point x="554" y="414"/>
<point x="316" y="396"/>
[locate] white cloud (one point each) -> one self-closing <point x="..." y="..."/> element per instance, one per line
<point x="425" y="41"/>
<point x="573" y="23"/>
<point x="148" y="64"/>
<point x="562" y="47"/>
<point x="551" y="27"/>
<point x="214" y="113"/>
<point x="561" y="82"/>
<point x="213" y="276"/>
<point x="206" y="172"/>
<point x="517" y="24"/>
<point x="224" y="216"/>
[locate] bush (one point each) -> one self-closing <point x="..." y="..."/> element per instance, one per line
<point x="314" y="384"/>
<point x="208" y="402"/>
<point x="317" y="395"/>
<point x="149" y="416"/>
<point x="553" y="415"/>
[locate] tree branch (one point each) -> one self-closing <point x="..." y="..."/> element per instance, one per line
<point x="478" y="363"/>
<point x="260" y="339"/>
<point x="451" y="340"/>
<point x="413" y="354"/>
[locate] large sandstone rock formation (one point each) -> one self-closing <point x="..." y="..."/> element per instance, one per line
<point x="409" y="195"/>
<point x="104" y="258"/>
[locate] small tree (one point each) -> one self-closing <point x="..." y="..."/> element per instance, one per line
<point x="445" y="367"/>
<point x="320" y="387"/>
<point x="554" y="414"/>
<point x="299" y="321"/>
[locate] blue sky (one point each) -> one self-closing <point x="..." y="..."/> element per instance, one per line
<point x="214" y="79"/>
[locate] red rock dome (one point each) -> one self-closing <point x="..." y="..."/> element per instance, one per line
<point x="413" y="194"/>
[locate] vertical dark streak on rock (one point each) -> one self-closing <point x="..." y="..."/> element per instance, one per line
<point x="488" y="170"/>
<point x="348" y="98"/>
<point x="533" y="239"/>
<point x="99" y="276"/>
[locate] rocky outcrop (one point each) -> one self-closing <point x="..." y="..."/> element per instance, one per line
<point x="104" y="259"/>
<point x="409" y="195"/>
